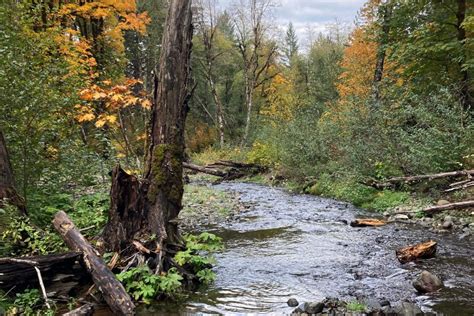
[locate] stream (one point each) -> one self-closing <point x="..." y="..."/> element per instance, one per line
<point x="292" y="245"/>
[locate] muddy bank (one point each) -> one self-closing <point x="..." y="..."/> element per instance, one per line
<point x="300" y="246"/>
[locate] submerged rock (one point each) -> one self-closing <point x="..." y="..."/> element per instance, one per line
<point x="292" y="302"/>
<point x="408" y="309"/>
<point x="427" y="282"/>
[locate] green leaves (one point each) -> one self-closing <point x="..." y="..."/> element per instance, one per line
<point x="143" y="285"/>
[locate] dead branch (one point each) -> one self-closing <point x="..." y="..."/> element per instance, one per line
<point x="450" y="206"/>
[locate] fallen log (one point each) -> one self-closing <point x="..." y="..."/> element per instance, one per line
<point x="410" y="179"/>
<point x="227" y="170"/>
<point x="112" y="290"/>
<point x="450" y="206"/>
<point x="367" y="222"/>
<point x="205" y="170"/>
<point x="60" y="273"/>
<point x="423" y="250"/>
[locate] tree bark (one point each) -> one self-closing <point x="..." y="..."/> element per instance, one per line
<point x="465" y="94"/>
<point x="8" y="192"/>
<point x="142" y="209"/>
<point x="383" y="39"/>
<point x="112" y="290"/>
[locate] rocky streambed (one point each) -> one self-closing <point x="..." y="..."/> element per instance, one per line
<point x="284" y="246"/>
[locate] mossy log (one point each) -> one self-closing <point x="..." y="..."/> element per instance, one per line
<point x="112" y="290"/>
<point x="423" y="250"/>
<point x="367" y="222"/>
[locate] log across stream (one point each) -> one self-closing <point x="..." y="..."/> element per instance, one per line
<point x="302" y="246"/>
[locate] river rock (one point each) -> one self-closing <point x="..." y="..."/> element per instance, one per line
<point x="448" y="222"/>
<point x="408" y="309"/>
<point x="427" y="282"/>
<point x="292" y="302"/>
<point x="314" y="307"/>
<point x="400" y="217"/>
<point x="373" y="305"/>
<point x="442" y="202"/>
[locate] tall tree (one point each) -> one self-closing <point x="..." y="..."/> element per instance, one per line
<point x="8" y="192"/>
<point x="251" y="31"/>
<point x="291" y="44"/>
<point x="207" y="22"/>
<point x="142" y="209"/>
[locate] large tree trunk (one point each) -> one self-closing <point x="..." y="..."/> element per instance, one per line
<point x="141" y="209"/>
<point x="7" y="181"/>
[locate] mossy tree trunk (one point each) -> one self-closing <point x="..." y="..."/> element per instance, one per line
<point x="147" y="208"/>
<point x="8" y="192"/>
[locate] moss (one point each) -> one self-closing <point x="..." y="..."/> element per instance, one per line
<point x="166" y="173"/>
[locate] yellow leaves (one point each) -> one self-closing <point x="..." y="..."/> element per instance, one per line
<point x="106" y="119"/>
<point x="102" y="103"/>
<point x="281" y="101"/>
<point x="146" y="104"/>
<point x="98" y="95"/>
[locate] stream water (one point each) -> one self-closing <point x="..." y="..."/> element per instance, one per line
<point x="300" y="246"/>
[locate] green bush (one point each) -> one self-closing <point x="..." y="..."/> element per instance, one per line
<point x="143" y="285"/>
<point x="29" y="303"/>
<point x="350" y="190"/>
<point x="22" y="238"/>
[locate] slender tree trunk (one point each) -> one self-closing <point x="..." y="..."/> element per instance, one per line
<point x="466" y="97"/>
<point x="249" y="104"/>
<point x="219" y="111"/>
<point x="8" y="192"/>
<point x="383" y="39"/>
<point x="141" y="209"/>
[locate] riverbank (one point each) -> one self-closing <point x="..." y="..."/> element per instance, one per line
<point x="404" y="203"/>
<point x="285" y="245"/>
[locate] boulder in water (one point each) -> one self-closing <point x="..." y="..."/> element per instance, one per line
<point x="314" y="307"/>
<point x="427" y="282"/>
<point x="292" y="302"/>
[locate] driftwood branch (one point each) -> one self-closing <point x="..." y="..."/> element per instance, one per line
<point x="463" y="186"/>
<point x="112" y="290"/>
<point x="450" y="206"/>
<point x="412" y="179"/>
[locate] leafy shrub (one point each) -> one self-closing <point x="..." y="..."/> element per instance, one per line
<point x="88" y="210"/>
<point x="29" y="303"/>
<point x="22" y="238"/>
<point x="358" y="194"/>
<point x="264" y="154"/>
<point x="197" y="255"/>
<point x="143" y="285"/>
<point x="355" y="306"/>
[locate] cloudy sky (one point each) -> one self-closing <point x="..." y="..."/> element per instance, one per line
<point x="312" y="14"/>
